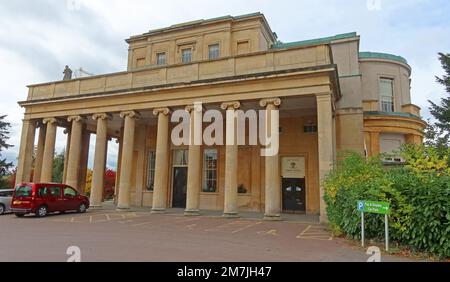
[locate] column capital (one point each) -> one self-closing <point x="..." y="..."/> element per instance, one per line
<point x="130" y="114"/>
<point x="270" y="101"/>
<point x="101" y="116"/>
<point x="66" y="131"/>
<point x="49" y="120"/>
<point x="75" y="118"/>
<point x="164" y="111"/>
<point x="233" y="105"/>
<point x="196" y="107"/>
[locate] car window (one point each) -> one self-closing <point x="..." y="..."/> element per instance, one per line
<point x="55" y="191"/>
<point x="23" y="191"/>
<point x="9" y="194"/>
<point x="69" y="192"/>
<point x="2" y="194"/>
<point x="42" y="192"/>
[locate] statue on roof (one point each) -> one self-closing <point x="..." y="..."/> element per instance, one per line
<point x="67" y="73"/>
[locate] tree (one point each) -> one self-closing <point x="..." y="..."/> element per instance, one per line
<point x="58" y="167"/>
<point x="439" y="133"/>
<point x="4" y="165"/>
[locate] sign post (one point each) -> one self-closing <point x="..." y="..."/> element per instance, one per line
<point x="378" y="208"/>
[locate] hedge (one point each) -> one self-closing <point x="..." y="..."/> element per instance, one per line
<point x="420" y="203"/>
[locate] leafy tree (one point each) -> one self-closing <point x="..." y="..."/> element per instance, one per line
<point x="439" y="133"/>
<point x="4" y="165"/>
<point x="58" y="167"/>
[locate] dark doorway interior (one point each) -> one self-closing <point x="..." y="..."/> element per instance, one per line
<point x="179" y="187"/>
<point x="294" y="195"/>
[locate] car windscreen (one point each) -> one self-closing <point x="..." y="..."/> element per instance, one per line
<point x="23" y="191"/>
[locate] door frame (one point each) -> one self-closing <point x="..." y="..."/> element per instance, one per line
<point x="172" y="166"/>
<point x="307" y="195"/>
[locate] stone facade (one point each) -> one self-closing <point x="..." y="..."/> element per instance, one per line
<point x="327" y="93"/>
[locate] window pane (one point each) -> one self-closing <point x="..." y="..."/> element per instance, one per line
<point x="180" y="157"/>
<point x="161" y="58"/>
<point x="214" y="51"/>
<point x="186" y="55"/>
<point x="151" y="171"/>
<point x="210" y="170"/>
<point x="23" y="191"/>
<point x="387" y="94"/>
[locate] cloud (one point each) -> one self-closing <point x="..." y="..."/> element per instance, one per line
<point x="37" y="38"/>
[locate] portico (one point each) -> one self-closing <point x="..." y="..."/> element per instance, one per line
<point x="310" y="97"/>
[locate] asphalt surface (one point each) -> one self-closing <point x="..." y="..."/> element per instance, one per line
<point x="104" y="236"/>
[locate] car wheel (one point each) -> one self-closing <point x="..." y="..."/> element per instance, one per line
<point x="20" y="214"/>
<point x="2" y="209"/>
<point x="82" y="208"/>
<point x="42" y="211"/>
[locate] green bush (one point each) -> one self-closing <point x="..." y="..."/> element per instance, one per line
<point x="420" y="203"/>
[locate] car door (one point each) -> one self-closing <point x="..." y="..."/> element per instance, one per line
<point x="54" y="198"/>
<point x="71" y="201"/>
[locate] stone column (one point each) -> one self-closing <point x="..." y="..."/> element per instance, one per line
<point x="66" y="154"/>
<point x="231" y="161"/>
<point x="26" y="151"/>
<point x="272" y="172"/>
<point x="123" y="203"/>
<point x="84" y="158"/>
<point x="101" y="146"/>
<point x="325" y="142"/>
<point x="73" y="162"/>
<point x="161" y="162"/>
<point x="39" y="153"/>
<point x="194" y="162"/>
<point x="49" y="150"/>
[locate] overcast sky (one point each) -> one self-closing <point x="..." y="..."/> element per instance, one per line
<point x="38" y="38"/>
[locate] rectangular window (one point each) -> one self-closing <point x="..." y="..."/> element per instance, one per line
<point x="160" y="59"/>
<point x="180" y="158"/>
<point x="214" y="51"/>
<point x="387" y="94"/>
<point x="151" y="171"/>
<point x="186" y="56"/>
<point x="210" y="170"/>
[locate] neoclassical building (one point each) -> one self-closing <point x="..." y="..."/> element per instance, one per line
<point x="330" y="96"/>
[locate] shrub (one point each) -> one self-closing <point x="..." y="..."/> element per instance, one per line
<point x="419" y="199"/>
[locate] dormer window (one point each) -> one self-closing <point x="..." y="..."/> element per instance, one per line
<point x="214" y="51"/>
<point x="186" y="56"/>
<point x="387" y="94"/>
<point x="161" y="59"/>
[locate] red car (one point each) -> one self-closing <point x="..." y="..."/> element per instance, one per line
<point x="42" y="199"/>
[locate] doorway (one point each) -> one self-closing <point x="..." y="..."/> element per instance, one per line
<point x="293" y="184"/>
<point x="179" y="178"/>
<point x="179" y="187"/>
<point x="294" y="195"/>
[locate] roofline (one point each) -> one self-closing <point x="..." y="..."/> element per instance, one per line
<point x="317" y="41"/>
<point x="201" y="22"/>
<point x="383" y="56"/>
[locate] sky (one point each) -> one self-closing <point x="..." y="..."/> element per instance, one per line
<point x="38" y="38"/>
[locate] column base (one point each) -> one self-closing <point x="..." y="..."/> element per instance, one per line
<point x="191" y="212"/>
<point x="120" y="209"/>
<point x="272" y="217"/>
<point x="231" y="215"/>
<point x="158" y="211"/>
<point x="323" y="219"/>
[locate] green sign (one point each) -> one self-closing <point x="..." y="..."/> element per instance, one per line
<point x="374" y="207"/>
